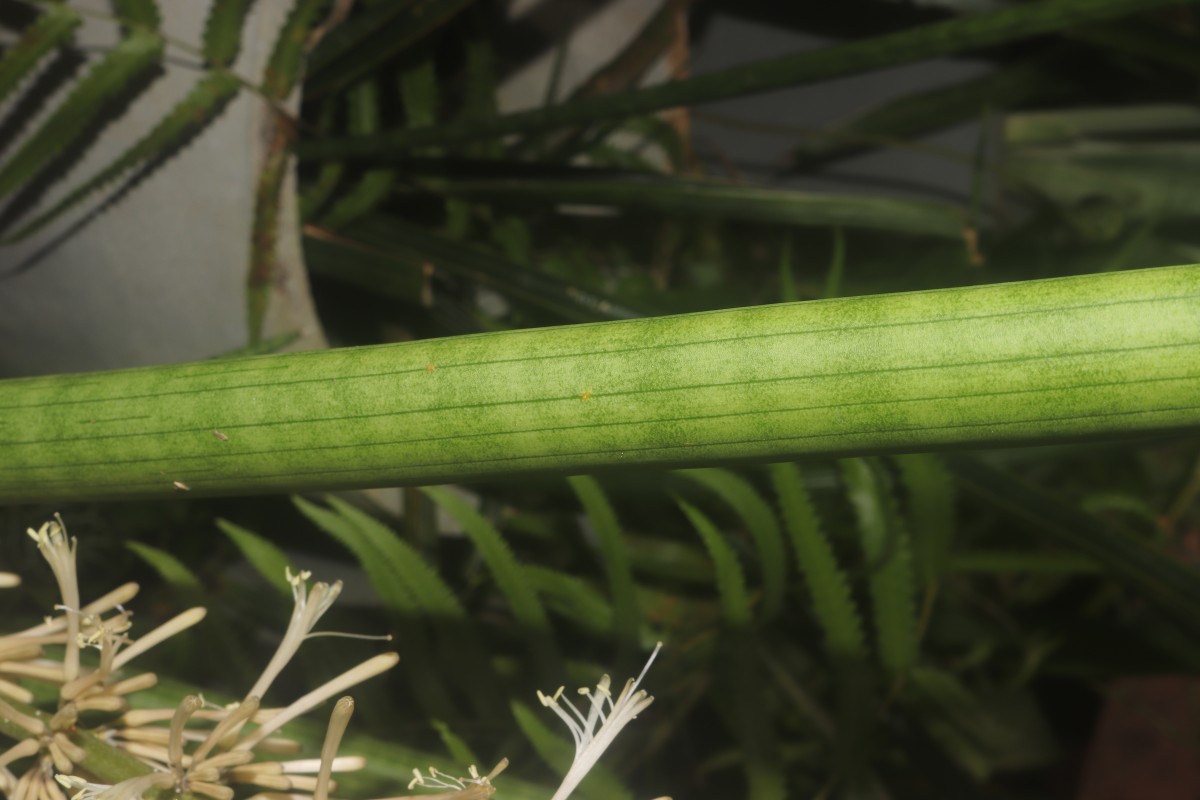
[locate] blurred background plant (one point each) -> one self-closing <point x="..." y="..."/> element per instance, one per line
<point x="962" y="625"/>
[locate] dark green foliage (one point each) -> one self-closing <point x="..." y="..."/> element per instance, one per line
<point x="131" y="58"/>
<point x="52" y="28"/>
<point x="944" y="623"/>
<point x="223" y="31"/>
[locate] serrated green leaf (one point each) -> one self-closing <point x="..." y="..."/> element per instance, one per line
<point x="600" y="784"/>
<point x="223" y="31"/>
<point x="459" y="645"/>
<point x="286" y="63"/>
<point x="262" y="554"/>
<point x="55" y="25"/>
<point x="572" y="599"/>
<point x="731" y="583"/>
<point x="888" y="555"/>
<point x="931" y="512"/>
<point x="123" y="64"/>
<point x="526" y="606"/>
<point x="432" y="594"/>
<point x="140" y="12"/>
<point x="169" y="568"/>
<point x="760" y="521"/>
<point x="833" y="604"/>
<point x="614" y="557"/>
<point x="187" y="119"/>
<point x="397" y="597"/>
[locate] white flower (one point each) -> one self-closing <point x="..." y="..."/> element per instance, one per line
<point x="310" y="605"/>
<point x="606" y="717"/>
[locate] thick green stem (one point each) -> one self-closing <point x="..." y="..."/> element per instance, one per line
<point x="953" y="36"/>
<point x="1067" y="358"/>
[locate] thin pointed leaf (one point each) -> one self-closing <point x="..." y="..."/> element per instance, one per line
<point x="169" y="568"/>
<point x="931" y="511"/>
<point x="187" y="119"/>
<point x="833" y="604"/>
<point x="526" y="606"/>
<point x="760" y="521"/>
<point x="731" y="583"/>
<point x="920" y="112"/>
<point x="268" y="560"/>
<point x="51" y="29"/>
<point x="139" y="12"/>
<point x="223" y="31"/>
<point x="907" y="46"/>
<point x="398" y="598"/>
<point x="614" y="556"/>
<point x="133" y="56"/>
<point x="571" y="599"/>
<point x="407" y="245"/>
<point x="286" y="63"/>
<point x="374" y="186"/>
<point x="1162" y="580"/>
<point x="460" y="648"/>
<point x="364" y="46"/>
<point x="888" y="554"/>
<point x="638" y="193"/>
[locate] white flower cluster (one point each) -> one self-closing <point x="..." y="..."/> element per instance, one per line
<point x="196" y="747"/>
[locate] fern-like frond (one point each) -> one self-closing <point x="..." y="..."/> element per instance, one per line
<point x="627" y="614"/>
<point x="138" y="12"/>
<point x="287" y="58"/>
<point x="397" y="598"/>
<point x="132" y="57"/>
<point x="572" y="599"/>
<point x="731" y="583"/>
<point x="51" y="29"/>
<point x="760" y="520"/>
<point x="526" y="606"/>
<point x="432" y="594"/>
<point x="833" y="604"/>
<point x="888" y="554"/>
<point x="187" y="119"/>
<point x="223" y="31"/>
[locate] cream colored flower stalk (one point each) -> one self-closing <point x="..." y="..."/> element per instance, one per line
<point x="8" y="580"/>
<point x="80" y="688"/>
<point x="223" y="756"/>
<point x="310" y="605"/>
<point x="595" y="731"/>
<point x="59" y="552"/>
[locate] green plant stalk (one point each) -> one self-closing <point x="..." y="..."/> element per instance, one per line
<point x="1067" y="358"/>
<point x="953" y="36"/>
